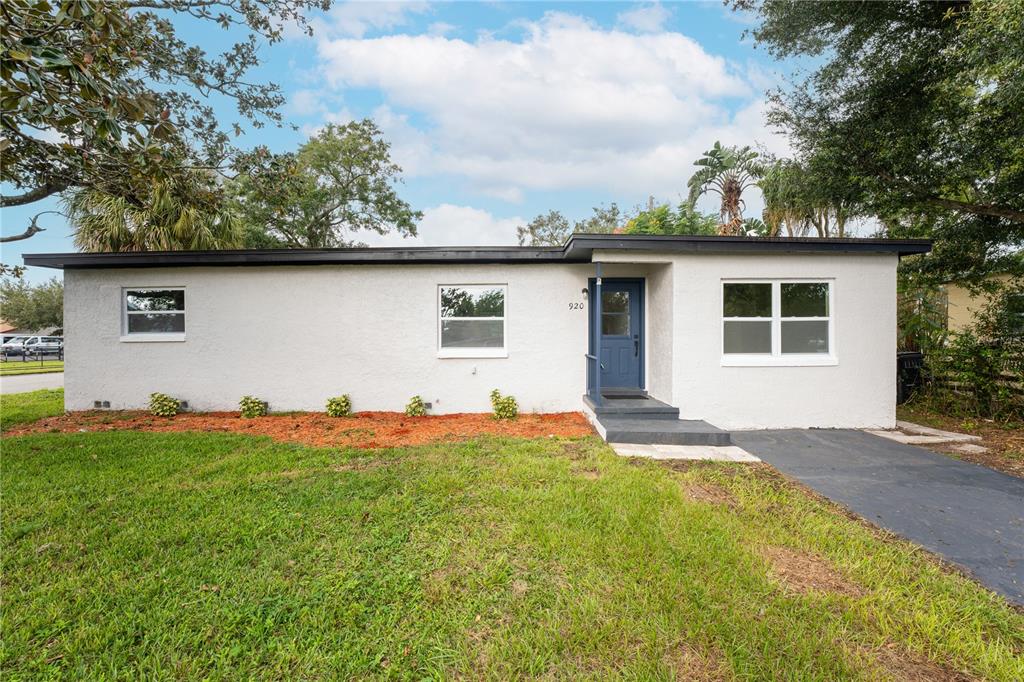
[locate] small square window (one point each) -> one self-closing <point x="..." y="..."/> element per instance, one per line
<point x="472" y="320"/>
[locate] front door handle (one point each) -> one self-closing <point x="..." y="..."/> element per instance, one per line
<point x="636" y="345"/>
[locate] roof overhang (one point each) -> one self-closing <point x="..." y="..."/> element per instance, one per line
<point x="579" y="248"/>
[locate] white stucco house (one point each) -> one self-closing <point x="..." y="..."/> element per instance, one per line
<point x="739" y="332"/>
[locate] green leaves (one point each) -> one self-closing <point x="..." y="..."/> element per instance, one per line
<point x="339" y="182"/>
<point x="915" y="113"/>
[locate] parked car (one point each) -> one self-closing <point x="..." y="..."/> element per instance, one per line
<point x="44" y="345"/>
<point x="15" y="345"/>
<point x="33" y="345"/>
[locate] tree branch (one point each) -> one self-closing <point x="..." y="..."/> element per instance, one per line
<point x="34" y="194"/>
<point x="978" y="209"/>
<point x="32" y="229"/>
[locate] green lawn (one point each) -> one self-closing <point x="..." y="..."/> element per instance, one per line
<point x="16" y="367"/>
<point x="142" y="555"/>
<point x="19" y="408"/>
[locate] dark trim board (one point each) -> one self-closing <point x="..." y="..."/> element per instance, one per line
<point x="579" y="248"/>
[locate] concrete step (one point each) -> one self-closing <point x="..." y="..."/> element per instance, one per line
<point x="662" y="431"/>
<point x="640" y="407"/>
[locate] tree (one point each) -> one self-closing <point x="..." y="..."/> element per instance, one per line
<point x="106" y="95"/>
<point x="727" y="172"/>
<point x="603" y="220"/>
<point x="170" y="214"/>
<point x="919" y="106"/>
<point x="798" y="199"/>
<point x="548" y="229"/>
<point x="661" y="219"/>
<point x="341" y="181"/>
<point x="33" y="307"/>
<point x="553" y="228"/>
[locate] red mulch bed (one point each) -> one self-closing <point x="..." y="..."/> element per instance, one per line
<point x="362" y="430"/>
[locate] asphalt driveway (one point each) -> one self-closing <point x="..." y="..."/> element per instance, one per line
<point x="969" y="514"/>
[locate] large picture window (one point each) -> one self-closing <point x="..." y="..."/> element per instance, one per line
<point x="472" y="320"/>
<point x="154" y="313"/>
<point x="777" y="322"/>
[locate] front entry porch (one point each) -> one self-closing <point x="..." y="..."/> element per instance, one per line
<point x="641" y="419"/>
<point x="617" y="401"/>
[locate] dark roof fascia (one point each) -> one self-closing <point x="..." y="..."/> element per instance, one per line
<point x="719" y="244"/>
<point x="578" y="249"/>
<point x="367" y="256"/>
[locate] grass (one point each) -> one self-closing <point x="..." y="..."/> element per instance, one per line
<point x="17" y="367"/>
<point x="142" y="555"/>
<point x="21" y="408"/>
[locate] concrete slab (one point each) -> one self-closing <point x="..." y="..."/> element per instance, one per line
<point x="727" y="453"/>
<point x="969" y="514"/>
<point x="911" y="427"/>
<point x="970" y="448"/>
<point x="909" y="439"/>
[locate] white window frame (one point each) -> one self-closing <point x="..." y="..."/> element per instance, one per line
<point x="468" y="352"/>
<point x="777" y="358"/>
<point x="148" y="337"/>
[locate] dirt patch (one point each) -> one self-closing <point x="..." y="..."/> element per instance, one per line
<point x="900" y="664"/>
<point x="369" y="430"/>
<point x="688" y="663"/>
<point x="803" y="573"/>
<point x="1005" y="441"/>
<point x="709" y="493"/>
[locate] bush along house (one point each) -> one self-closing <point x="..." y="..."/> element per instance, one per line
<point x="673" y="339"/>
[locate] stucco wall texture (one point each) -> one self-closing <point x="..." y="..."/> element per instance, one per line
<point x="295" y="336"/>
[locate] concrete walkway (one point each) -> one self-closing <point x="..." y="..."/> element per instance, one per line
<point x="969" y="514"/>
<point x="31" y="382"/>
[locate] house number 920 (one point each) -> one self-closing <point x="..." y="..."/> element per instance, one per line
<point x="576" y="305"/>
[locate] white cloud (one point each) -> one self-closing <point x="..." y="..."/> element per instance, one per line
<point x="358" y="18"/>
<point x="569" y="105"/>
<point x="450" y="225"/>
<point x="440" y="28"/>
<point x="645" y="19"/>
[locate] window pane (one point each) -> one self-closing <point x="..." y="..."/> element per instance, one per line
<point x="156" y="300"/>
<point x="748" y="337"/>
<point x="615" y="301"/>
<point x="472" y="334"/>
<point x="805" y="337"/>
<point x="747" y="300"/>
<point x="472" y="302"/>
<point x="152" y="323"/>
<point x="805" y="299"/>
<point x="615" y="324"/>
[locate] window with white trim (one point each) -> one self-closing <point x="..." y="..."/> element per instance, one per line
<point x="152" y="312"/>
<point x="784" y="319"/>
<point x="471" y="320"/>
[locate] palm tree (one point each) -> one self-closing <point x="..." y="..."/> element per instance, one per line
<point x="726" y="171"/>
<point x="170" y="215"/>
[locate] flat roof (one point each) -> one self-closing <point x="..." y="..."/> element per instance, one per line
<point x="579" y="248"/>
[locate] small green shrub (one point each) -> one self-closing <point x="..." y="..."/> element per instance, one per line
<point x="416" y="407"/>
<point x="252" y="407"/>
<point x="163" y="405"/>
<point x="340" y="406"/>
<point x="505" y="407"/>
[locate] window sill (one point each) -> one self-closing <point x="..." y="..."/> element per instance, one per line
<point x="779" y="361"/>
<point x="452" y="353"/>
<point x="151" y="338"/>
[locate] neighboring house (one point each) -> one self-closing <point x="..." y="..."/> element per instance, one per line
<point x="741" y="332"/>
<point x="962" y="306"/>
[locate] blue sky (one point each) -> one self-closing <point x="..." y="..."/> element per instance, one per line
<point x="500" y="111"/>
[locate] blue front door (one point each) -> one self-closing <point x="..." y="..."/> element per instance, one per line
<point x="622" y="333"/>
